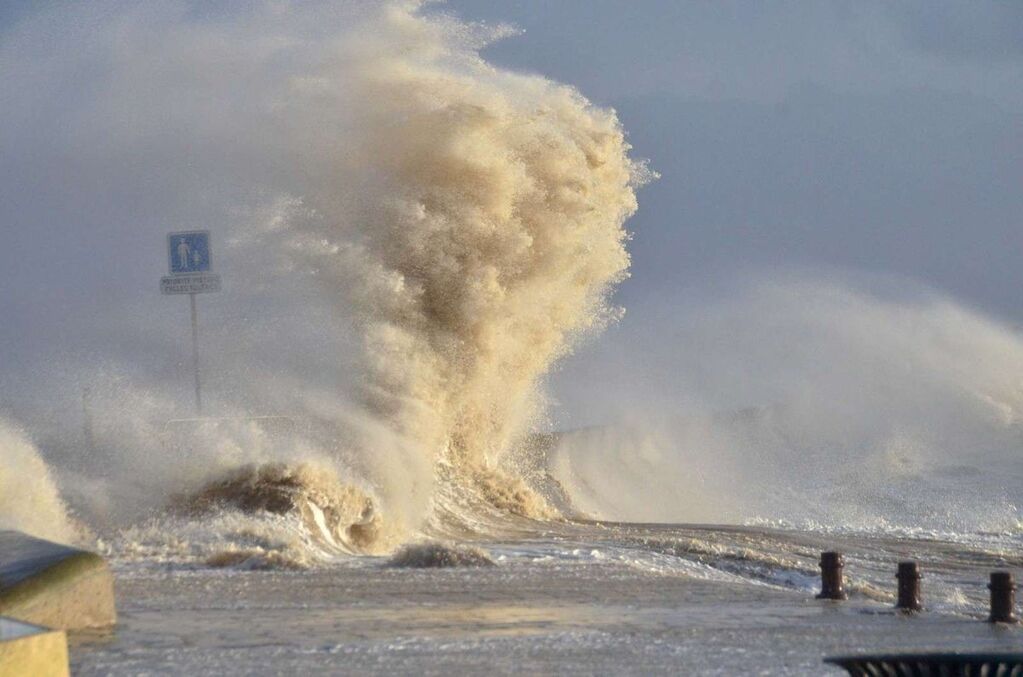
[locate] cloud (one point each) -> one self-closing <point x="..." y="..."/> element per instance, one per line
<point x="985" y="31"/>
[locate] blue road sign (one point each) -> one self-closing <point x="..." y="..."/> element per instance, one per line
<point x="189" y="252"/>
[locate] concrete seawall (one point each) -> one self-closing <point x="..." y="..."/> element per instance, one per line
<point x="27" y="649"/>
<point x="54" y="585"/>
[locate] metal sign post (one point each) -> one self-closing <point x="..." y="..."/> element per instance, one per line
<point x="90" y="438"/>
<point x="195" y="354"/>
<point x="191" y="273"/>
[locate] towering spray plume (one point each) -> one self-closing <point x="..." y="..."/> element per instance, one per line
<point x="493" y="239"/>
<point x="28" y="498"/>
<point x="411" y="237"/>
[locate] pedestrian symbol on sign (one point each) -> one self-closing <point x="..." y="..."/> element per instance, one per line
<point x="189" y="256"/>
<point x="183" y="250"/>
<point x="190" y="252"/>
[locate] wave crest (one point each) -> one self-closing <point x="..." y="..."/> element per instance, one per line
<point x="440" y="555"/>
<point x="338" y="515"/>
<point x="29" y="500"/>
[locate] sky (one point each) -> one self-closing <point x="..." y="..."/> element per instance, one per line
<point x="874" y="136"/>
<point x="868" y="138"/>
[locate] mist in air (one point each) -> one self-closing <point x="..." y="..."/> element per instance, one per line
<point x="426" y="251"/>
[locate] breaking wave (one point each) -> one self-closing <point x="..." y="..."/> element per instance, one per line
<point x="417" y="236"/>
<point x="493" y="238"/>
<point x="411" y="238"/>
<point x="339" y="516"/>
<point x="439" y="555"/>
<point x="814" y="403"/>
<point x="29" y="499"/>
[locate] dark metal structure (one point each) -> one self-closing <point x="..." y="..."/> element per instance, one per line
<point x="909" y="587"/>
<point x="927" y="665"/>
<point x="1003" y="598"/>
<point x="831" y="576"/>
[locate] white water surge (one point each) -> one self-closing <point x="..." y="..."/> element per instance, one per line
<point x="29" y="500"/>
<point x="410" y="239"/>
<point x="811" y="401"/>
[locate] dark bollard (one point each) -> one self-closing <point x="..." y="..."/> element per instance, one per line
<point x="831" y="576"/>
<point x="1003" y="598"/>
<point x="909" y="587"/>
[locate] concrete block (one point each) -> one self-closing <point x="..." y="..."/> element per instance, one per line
<point x="54" y="585"/>
<point x="27" y="649"/>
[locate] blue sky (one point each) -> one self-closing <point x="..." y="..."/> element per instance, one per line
<point x="870" y="135"/>
<point x="869" y="138"/>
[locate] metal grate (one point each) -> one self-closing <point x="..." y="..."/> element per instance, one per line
<point x="936" y="664"/>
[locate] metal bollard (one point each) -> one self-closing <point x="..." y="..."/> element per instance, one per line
<point x="1003" y="598"/>
<point x="909" y="587"/>
<point x="831" y="576"/>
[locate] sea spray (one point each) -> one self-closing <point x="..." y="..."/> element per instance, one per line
<point x="807" y="399"/>
<point x="337" y="514"/>
<point x="493" y="236"/>
<point x="29" y="500"/>
<point x="434" y="555"/>
<point x="409" y="236"/>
